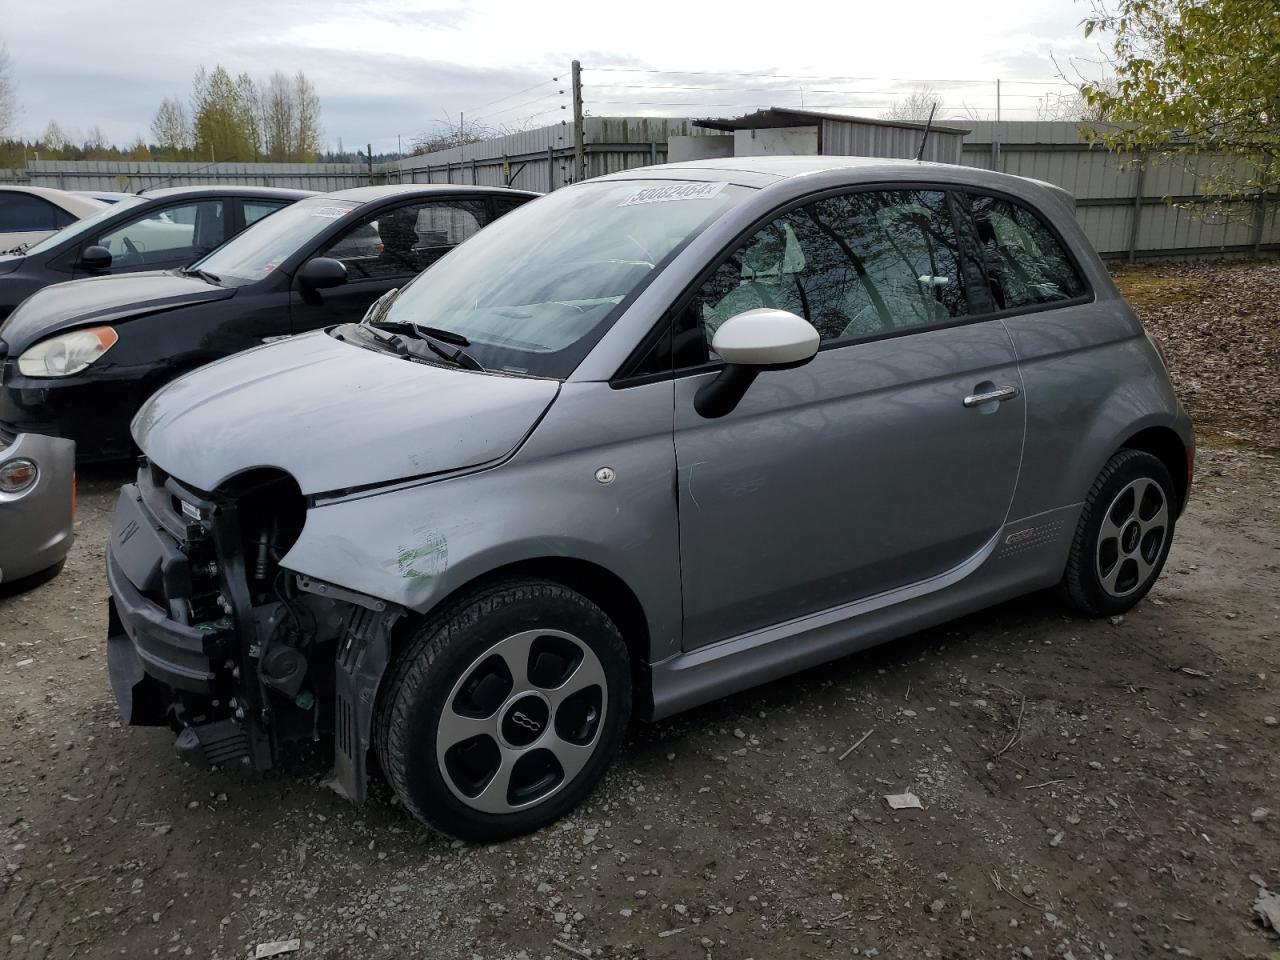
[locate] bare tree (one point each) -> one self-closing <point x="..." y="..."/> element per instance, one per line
<point x="172" y="129"/>
<point x="55" y="139"/>
<point x="8" y="93"/>
<point x="1074" y="104"/>
<point x="307" y="107"/>
<point x="279" y="118"/>
<point x="447" y="134"/>
<point x="915" y="107"/>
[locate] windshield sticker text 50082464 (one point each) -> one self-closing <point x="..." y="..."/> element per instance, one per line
<point x="673" y="191"/>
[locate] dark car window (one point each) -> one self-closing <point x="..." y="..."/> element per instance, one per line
<point x="503" y="205"/>
<point x="190" y="227"/>
<point x="255" y="210"/>
<point x="23" y="212"/>
<point x="1024" y="262"/>
<point x="857" y="265"/>
<point x="406" y="240"/>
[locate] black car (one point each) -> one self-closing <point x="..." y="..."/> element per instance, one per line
<point x="77" y="359"/>
<point x="155" y="230"/>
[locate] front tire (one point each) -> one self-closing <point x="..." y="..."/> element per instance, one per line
<point x="505" y="711"/>
<point x="1123" y="535"/>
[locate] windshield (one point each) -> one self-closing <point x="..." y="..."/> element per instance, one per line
<point x="535" y="291"/>
<point x="81" y="227"/>
<point x="253" y="254"/>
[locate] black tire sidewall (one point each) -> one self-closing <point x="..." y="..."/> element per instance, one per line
<point x="453" y="645"/>
<point x="1084" y="586"/>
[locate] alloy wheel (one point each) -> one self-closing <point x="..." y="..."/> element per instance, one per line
<point x="522" y="721"/>
<point x="1132" y="536"/>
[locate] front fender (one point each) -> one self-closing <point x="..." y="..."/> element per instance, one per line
<point x="418" y="544"/>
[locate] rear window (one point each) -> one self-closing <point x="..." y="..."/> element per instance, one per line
<point x="22" y="213"/>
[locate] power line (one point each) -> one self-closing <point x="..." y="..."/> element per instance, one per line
<point x="542" y="83"/>
<point x="778" y="86"/>
<point x="797" y="76"/>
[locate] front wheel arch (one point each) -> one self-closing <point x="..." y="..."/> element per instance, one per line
<point x="598" y="584"/>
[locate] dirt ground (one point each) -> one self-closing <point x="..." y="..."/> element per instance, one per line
<point x="1091" y="789"/>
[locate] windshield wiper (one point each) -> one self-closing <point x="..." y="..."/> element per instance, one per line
<point x="444" y="347"/>
<point x="204" y="275"/>
<point x="443" y="343"/>
<point x="433" y="343"/>
<point x="448" y="336"/>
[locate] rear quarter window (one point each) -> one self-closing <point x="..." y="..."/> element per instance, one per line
<point x="1024" y="263"/>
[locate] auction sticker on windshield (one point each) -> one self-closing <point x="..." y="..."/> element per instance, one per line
<point x="673" y="191"/>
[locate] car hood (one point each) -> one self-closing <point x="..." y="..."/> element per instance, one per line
<point x="98" y="300"/>
<point x="334" y="416"/>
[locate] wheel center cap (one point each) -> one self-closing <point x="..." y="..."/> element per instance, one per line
<point x="1130" y="536"/>
<point x="525" y="720"/>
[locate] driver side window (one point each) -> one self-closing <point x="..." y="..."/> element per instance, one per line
<point x="189" y="228"/>
<point x="406" y="240"/>
<point x="856" y="266"/>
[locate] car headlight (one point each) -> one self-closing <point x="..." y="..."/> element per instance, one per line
<point x="17" y="475"/>
<point x="67" y="353"/>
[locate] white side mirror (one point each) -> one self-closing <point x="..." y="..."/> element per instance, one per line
<point x="750" y="343"/>
<point x="765" y="338"/>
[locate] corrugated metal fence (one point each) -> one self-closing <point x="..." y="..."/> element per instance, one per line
<point x="1128" y="210"/>
<point x="131" y="177"/>
<point x="542" y="159"/>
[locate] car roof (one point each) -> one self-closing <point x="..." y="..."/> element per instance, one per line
<point x="224" y="189"/>
<point x="366" y="194"/>
<point x="78" y="206"/>
<point x="763" y="172"/>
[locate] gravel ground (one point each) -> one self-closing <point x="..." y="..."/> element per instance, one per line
<point x="1089" y="789"/>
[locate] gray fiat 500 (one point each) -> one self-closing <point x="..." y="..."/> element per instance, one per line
<point x="647" y="441"/>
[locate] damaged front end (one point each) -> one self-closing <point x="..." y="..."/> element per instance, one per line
<point x="210" y="635"/>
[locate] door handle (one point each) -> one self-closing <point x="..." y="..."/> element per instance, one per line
<point x="999" y="395"/>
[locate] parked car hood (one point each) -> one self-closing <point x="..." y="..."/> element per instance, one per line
<point x="334" y="416"/>
<point x="99" y="300"/>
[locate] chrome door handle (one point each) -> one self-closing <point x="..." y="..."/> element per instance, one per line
<point x="1001" y="394"/>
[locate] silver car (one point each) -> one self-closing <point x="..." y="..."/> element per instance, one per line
<point x="37" y="507"/>
<point x="649" y="440"/>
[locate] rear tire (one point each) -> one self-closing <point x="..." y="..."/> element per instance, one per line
<point x="1123" y="535"/>
<point x="505" y="710"/>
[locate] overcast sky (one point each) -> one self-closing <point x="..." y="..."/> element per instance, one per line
<point x="395" y="67"/>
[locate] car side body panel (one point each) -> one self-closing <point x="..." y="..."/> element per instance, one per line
<point x="1093" y="381"/>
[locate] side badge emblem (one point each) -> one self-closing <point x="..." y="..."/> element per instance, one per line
<point x="605" y="475"/>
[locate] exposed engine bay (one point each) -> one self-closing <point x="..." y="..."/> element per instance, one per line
<point x="212" y="637"/>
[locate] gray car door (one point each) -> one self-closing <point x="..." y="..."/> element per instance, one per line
<point x="871" y="468"/>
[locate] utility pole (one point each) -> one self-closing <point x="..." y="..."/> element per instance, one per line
<point x="579" y="146"/>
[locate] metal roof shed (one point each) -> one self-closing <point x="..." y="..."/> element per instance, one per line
<point x="789" y="132"/>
